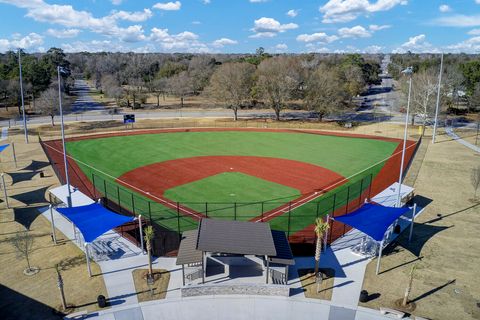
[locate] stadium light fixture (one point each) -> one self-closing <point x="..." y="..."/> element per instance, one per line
<point x="409" y="72"/>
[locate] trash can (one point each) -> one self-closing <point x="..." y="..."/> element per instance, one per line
<point x="364" y="296"/>
<point x="102" y="302"/>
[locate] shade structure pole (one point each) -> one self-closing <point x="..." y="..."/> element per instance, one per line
<point x="5" y="191"/>
<point x="67" y="180"/>
<point x="25" y="130"/>
<point x="88" y="259"/>
<point x="325" y="237"/>
<point x="74" y="232"/>
<point x="414" y="212"/>
<point x="203" y="267"/>
<point x="438" y="100"/>
<point x="399" y="199"/>
<point x="183" y="274"/>
<point x="54" y="236"/>
<point x="379" y="256"/>
<point x="140" y="227"/>
<point x="14" y="154"/>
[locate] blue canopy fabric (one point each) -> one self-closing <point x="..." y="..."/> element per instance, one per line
<point x="373" y="219"/>
<point x="93" y="220"/>
<point x="3" y="146"/>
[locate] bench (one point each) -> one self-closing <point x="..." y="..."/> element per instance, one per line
<point x="78" y="315"/>
<point x="396" y="313"/>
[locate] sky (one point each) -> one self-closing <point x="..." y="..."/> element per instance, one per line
<point x="241" y="26"/>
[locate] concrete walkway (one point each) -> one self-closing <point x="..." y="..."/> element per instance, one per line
<point x="449" y="131"/>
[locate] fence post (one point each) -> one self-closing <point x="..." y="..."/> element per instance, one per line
<point x="206" y="209"/>
<point x="370" y="186"/>
<point x="178" y="219"/>
<point x="105" y="192"/>
<point x="133" y="204"/>
<point x="118" y="196"/>
<point x="94" y="189"/>
<point x="235" y="211"/>
<point x="262" y="211"/>
<point x="360" y="195"/>
<point x="289" y="213"/>
<point x="346" y="210"/>
<point x="149" y="211"/>
<point x="333" y="216"/>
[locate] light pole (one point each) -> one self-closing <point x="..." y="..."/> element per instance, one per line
<point x="67" y="180"/>
<point x="438" y="99"/>
<point x="25" y="130"/>
<point x="408" y="71"/>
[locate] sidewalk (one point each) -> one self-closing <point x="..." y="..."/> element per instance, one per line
<point x="449" y="131"/>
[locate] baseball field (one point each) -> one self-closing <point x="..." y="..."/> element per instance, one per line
<point x="285" y="177"/>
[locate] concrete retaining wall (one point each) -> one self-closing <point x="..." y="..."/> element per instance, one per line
<point x="241" y="289"/>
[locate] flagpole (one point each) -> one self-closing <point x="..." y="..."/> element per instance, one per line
<point x="67" y="180"/>
<point x="438" y="99"/>
<point x="25" y="130"/>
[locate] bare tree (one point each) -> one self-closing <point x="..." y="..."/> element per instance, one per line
<point x="475" y="179"/>
<point x="158" y="87"/>
<point x="47" y="103"/>
<point x="324" y="92"/>
<point x="23" y="243"/>
<point x="231" y="84"/>
<point x="111" y="87"/>
<point x="149" y="233"/>
<point x="321" y="228"/>
<point x="277" y="80"/>
<point x="353" y="80"/>
<point x="180" y="85"/>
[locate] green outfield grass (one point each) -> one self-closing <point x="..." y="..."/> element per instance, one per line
<point x="118" y="155"/>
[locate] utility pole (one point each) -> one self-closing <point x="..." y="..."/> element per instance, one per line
<point x="25" y="130"/>
<point x="438" y="99"/>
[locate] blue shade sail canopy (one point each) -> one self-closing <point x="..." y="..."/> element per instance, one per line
<point x="93" y="220"/>
<point x="373" y="219"/>
<point x="3" y="146"/>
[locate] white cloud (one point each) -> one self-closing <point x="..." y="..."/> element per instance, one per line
<point x="257" y="1"/>
<point x="268" y="27"/>
<point x="116" y="2"/>
<point x="471" y="45"/>
<point x="206" y="1"/>
<point x="373" y="49"/>
<point x="348" y="10"/>
<point x="416" y="44"/>
<point x="316" y="37"/>
<point x="444" y="8"/>
<point x="474" y="32"/>
<point x="186" y="41"/>
<point x="313" y="48"/>
<point x="168" y="6"/>
<point x="29" y="41"/>
<point x="196" y="22"/>
<point x="354" y="32"/>
<point x="137" y="16"/>
<point x="458" y="20"/>
<point x="374" y="27"/>
<point x="292" y="13"/>
<point x="477" y="1"/>
<point x="132" y="34"/>
<point x="64" y="33"/>
<point x="220" y="43"/>
<point x="281" y="46"/>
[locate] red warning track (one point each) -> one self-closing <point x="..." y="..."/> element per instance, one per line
<point x="156" y="178"/>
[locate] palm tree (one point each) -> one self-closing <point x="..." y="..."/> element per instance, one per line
<point x="321" y="228"/>
<point x="149" y="233"/>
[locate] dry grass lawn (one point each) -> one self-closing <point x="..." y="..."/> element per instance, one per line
<point x="37" y="296"/>
<point x="159" y="287"/>
<point x="445" y="244"/>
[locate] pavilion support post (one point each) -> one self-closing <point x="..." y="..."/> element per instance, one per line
<point x="414" y="212"/>
<point x="88" y="259"/>
<point x="268" y="269"/>
<point x="54" y="236"/>
<point x="183" y="274"/>
<point x="380" y="249"/>
<point x="203" y="267"/>
<point x="140" y="227"/>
